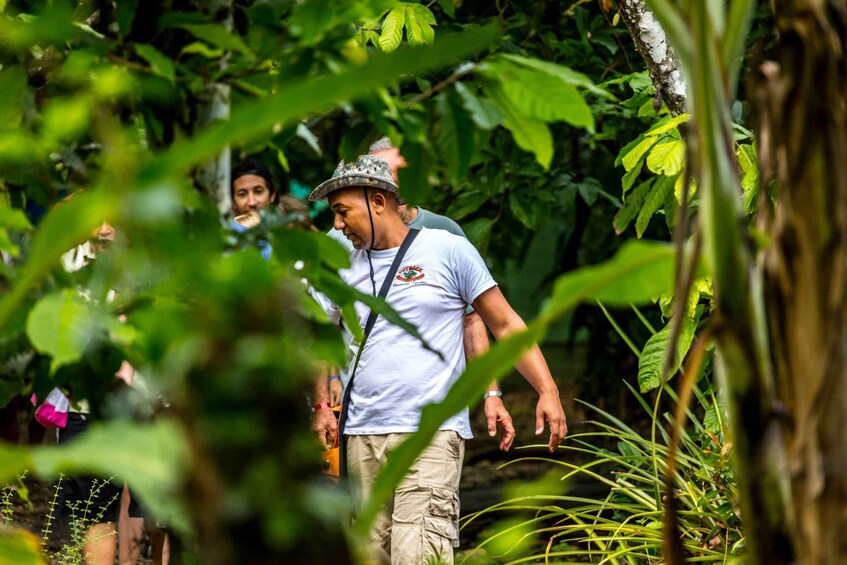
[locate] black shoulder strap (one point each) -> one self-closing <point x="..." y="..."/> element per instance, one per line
<point x="383" y="292"/>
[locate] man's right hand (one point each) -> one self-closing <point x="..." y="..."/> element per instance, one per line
<point x="249" y="220"/>
<point x="325" y="426"/>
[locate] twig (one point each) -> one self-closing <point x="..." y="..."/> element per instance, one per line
<point x="435" y="89"/>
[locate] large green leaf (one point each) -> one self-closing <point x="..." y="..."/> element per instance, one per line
<point x="61" y="325"/>
<point x="651" y="362"/>
<point x="392" y="29"/>
<point x="151" y="458"/>
<point x="484" y="113"/>
<point x="636" y="274"/>
<point x="653" y="202"/>
<point x="540" y="95"/>
<point x="563" y="73"/>
<point x="455" y="137"/>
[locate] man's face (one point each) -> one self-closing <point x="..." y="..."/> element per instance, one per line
<point x="250" y="193"/>
<point x="393" y="158"/>
<point x="102" y="237"/>
<point x="351" y="215"/>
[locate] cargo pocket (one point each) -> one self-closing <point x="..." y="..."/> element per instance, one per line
<point x="443" y="513"/>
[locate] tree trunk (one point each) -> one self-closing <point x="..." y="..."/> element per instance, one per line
<point x="652" y="44"/>
<point x="803" y="145"/>
<point x="214" y="105"/>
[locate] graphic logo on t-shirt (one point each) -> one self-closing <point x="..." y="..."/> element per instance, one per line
<point x="410" y="273"/>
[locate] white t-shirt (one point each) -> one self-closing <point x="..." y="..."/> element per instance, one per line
<point x="397" y="377"/>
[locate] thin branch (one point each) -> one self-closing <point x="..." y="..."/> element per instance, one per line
<point x="435" y="89"/>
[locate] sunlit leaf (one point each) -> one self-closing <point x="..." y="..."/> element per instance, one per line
<point x="419" y="22"/>
<point x="667" y="158"/>
<point x="392" y="30"/>
<point x="631" y="159"/>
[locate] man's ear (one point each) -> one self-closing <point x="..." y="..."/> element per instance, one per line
<point x="378" y="200"/>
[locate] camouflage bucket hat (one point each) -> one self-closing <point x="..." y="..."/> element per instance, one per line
<point x="368" y="171"/>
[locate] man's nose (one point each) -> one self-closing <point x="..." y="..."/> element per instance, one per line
<point x="338" y="223"/>
<point x="251" y="199"/>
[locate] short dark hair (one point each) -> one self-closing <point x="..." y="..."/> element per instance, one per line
<point x="250" y="167"/>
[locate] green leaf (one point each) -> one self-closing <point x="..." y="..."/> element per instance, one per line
<point x="217" y="35"/>
<point x="653" y="202"/>
<point x="667" y="157"/>
<point x="530" y="134"/>
<point x="392" y="30"/>
<point x="160" y="64"/>
<point x="629" y="177"/>
<point x="13" y="218"/>
<point x="125" y="14"/>
<point x="653" y="356"/>
<point x="66" y="118"/>
<point x="631" y="206"/>
<point x="563" y="73"/>
<point x="484" y="113"/>
<point x="639" y="271"/>
<point x="540" y="95"/>
<point x="454" y="137"/>
<point x="419" y="22"/>
<point x="448" y="6"/>
<point x="631" y="159"/>
<point x="12" y="91"/>
<point x="668" y="124"/>
<point x="14" y="460"/>
<point x="20" y="547"/>
<point x="112" y="449"/>
<point x="61" y="326"/>
<point x="521" y="211"/>
<point x="748" y="162"/>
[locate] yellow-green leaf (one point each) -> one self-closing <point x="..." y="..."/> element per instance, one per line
<point x="392" y="30"/>
<point x="419" y="22"/>
<point x="667" y="158"/>
<point x="631" y="159"/>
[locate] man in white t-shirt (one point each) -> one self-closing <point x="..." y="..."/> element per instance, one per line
<point x="396" y="376"/>
<point x="475" y="336"/>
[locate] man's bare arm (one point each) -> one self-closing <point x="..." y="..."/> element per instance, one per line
<point x="476" y="343"/>
<point x="503" y="321"/>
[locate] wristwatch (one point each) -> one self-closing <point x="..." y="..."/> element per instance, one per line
<point x="490" y="393"/>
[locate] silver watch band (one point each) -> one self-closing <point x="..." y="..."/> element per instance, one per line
<point x="490" y="393"/>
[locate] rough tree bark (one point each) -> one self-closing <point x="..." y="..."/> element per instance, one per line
<point x="802" y="101"/>
<point x="652" y="44"/>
